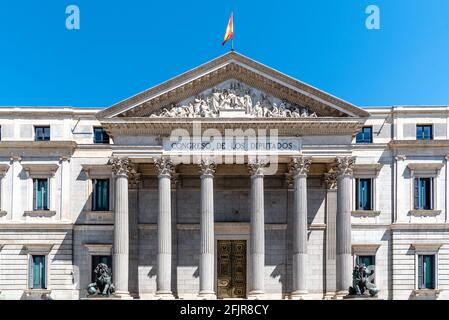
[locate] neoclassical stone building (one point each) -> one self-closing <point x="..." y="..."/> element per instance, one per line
<point x="231" y="180"/>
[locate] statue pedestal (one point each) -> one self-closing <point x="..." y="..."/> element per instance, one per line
<point x="364" y="297"/>
<point x="112" y="297"/>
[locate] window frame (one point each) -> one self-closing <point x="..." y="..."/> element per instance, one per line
<point x="371" y="138"/>
<point x="93" y="182"/>
<point x="417" y="195"/>
<point x="36" y="137"/>
<point x="427" y="249"/>
<point x="357" y="193"/>
<point x="424" y="126"/>
<point x="103" y="141"/>
<point x="35" y="199"/>
<point x="38" y="250"/>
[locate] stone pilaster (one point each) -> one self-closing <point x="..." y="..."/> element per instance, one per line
<point x="257" y="232"/>
<point x="121" y="168"/>
<point x="165" y="169"/>
<point x="207" y="257"/>
<point x="344" y="260"/>
<point x="330" y="181"/>
<point x="299" y="169"/>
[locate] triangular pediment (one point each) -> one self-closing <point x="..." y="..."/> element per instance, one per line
<point x="232" y="86"/>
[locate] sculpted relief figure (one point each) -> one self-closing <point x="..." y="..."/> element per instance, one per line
<point x="236" y="97"/>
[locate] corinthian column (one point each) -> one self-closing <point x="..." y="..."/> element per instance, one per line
<point x="344" y="261"/>
<point x="299" y="168"/>
<point x="257" y="233"/>
<point x="207" y="258"/>
<point x="165" y="169"/>
<point x="121" y="167"/>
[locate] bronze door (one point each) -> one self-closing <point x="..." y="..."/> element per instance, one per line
<point x="231" y="269"/>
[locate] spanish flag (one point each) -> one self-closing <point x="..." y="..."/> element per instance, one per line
<point x="229" y="30"/>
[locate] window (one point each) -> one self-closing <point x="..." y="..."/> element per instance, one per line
<point x="426" y="272"/>
<point x="96" y="260"/>
<point x="365" y="135"/>
<point x="42" y="133"/>
<point x="100" y="136"/>
<point x="100" y="195"/>
<point x="364" y="196"/>
<point x="424" y="132"/>
<point x="40" y="194"/>
<point x="37" y="272"/>
<point x="423" y="193"/>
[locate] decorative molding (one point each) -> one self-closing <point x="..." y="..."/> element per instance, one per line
<point x="92" y="170"/>
<point x="99" y="248"/>
<point x="425" y="213"/>
<point x="345" y="165"/>
<point x="38" y="248"/>
<point x="426" y="247"/>
<point x="236" y="98"/>
<point x="40" y="168"/>
<point x="134" y="180"/>
<point x="369" y="249"/>
<point x="164" y="166"/>
<point x="121" y="166"/>
<point x="365" y="213"/>
<point x="40" y="213"/>
<point x="398" y="144"/>
<point x="436" y="167"/>
<point x="256" y="166"/>
<point x="368" y="167"/>
<point x="207" y="166"/>
<point x="300" y="166"/>
<point x="426" y="293"/>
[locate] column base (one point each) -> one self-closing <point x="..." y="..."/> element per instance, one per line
<point x="207" y="295"/>
<point x="256" y="295"/>
<point x="329" y="296"/>
<point x="340" y="295"/>
<point x="299" y="295"/>
<point x="123" y="295"/>
<point x="164" y="295"/>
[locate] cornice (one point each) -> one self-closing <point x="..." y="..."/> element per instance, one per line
<point x="396" y="144"/>
<point x="38" y="145"/>
<point x="292" y="127"/>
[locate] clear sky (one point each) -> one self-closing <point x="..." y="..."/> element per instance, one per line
<point x="124" y="47"/>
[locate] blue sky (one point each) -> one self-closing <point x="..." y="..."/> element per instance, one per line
<point x="124" y="47"/>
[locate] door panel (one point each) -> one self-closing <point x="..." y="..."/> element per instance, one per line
<point x="231" y="268"/>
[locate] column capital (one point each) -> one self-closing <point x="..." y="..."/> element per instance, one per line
<point x="122" y="166"/>
<point x="15" y="158"/>
<point x="300" y="166"/>
<point x="164" y="166"/>
<point x="345" y="165"/>
<point x="330" y="178"/>
<point x="400" y="158"/>
<point x="134" y="180"/>
<point x="257" y="166"/>
<point x="208" y="166"/>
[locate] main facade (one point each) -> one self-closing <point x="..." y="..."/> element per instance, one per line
<point x="229" y="181"/>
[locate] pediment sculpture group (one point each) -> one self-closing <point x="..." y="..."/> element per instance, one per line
<point x="238" y="98"/>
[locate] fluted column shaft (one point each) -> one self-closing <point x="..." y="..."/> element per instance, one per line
<point x="164" y="236"/>
<point x="257" y="232"/>
<point x="207" y="257"/>
<point x="344" y="259"/>
<point x="121" y="168"/>
<point x="300" y="168"/>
